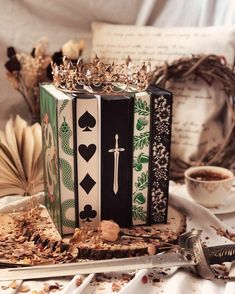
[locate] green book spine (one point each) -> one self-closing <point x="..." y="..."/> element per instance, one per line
<point x="48" y="105"/>
<point x="58" y="156"/>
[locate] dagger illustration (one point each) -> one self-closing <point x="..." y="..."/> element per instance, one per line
<point x="116" y="151"/>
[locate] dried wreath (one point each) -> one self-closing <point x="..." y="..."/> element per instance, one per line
<point x="213" y="70"/>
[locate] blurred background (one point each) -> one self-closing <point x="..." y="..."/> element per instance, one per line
<point x="23" y="22"/>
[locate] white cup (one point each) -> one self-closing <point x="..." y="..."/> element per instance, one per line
<point x="210" y="186"/>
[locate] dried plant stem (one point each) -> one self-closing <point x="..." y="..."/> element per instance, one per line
<point x="23" y="91"/>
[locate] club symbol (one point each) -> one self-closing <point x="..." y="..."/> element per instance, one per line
<point x="87" y="122"/>
<point x="88" y="213"/>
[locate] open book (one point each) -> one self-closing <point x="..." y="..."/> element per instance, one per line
<point x="21" y="166"/>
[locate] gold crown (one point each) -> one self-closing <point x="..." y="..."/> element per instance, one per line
<point x="98" y="77"/>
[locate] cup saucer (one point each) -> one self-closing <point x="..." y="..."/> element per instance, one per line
<point x="228" y="207"/>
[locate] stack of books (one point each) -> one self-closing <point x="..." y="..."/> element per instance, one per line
<point x="106" y="156"/>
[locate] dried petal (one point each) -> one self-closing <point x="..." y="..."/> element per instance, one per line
<point x="23" y="289"/>
<point x="11" y="52"/>
<point x="13" y="64"/>
<point x="13" y="285"/>
<point x="109" y="230"/>
<point x="151" y="249"/>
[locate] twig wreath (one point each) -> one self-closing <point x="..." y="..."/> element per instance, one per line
<point x="213" y="70"/>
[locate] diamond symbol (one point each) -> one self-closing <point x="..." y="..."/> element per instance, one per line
<point x="87" y="183"/>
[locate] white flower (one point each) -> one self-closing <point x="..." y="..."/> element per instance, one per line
<point x="73" y="49"/>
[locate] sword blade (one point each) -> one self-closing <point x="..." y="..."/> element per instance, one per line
<point x="115" y="173"/>
<point x="170" y="259"/>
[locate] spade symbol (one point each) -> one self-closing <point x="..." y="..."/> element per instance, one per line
<point x="88" y="213"/>
<point x="86" y="121"/>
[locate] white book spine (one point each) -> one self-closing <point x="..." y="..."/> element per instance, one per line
<point x="88" y="160"/>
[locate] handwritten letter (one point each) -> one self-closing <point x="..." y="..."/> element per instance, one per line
<point x="196" y="107"/>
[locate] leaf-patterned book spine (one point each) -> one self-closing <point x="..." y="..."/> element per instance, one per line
<point x="66" y="163"/>
<point x="116" y="158"/>
<point x="48" y="105"/>
<point x="141" y="134"/>
<point x="160" y="142"/>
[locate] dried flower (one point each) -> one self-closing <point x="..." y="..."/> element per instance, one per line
<point x="73" y="49"/>
<point x="109" y="230"/>
<point x="26" y="71"/>
<point x="151" y="249"/>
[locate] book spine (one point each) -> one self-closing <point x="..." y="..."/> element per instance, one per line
<point x="116" y="158"/>
<point x="141" y="158"/>
<point x="88" y="160"/>
<point x="160" y="141"/>
<point x="66" y="164"/>
<point x="48" y="105"/>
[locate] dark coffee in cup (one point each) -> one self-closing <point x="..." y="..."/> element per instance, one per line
<point x="210" y="186"/>
<point x="206" y="175"/>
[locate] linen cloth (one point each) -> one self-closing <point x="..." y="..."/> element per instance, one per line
<point x="177" y="280"/>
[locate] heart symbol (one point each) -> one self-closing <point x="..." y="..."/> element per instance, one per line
<point x="87" y="151"/>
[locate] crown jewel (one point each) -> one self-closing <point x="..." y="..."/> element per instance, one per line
<point x="99" y="77"/>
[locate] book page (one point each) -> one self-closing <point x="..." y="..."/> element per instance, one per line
<point x="116" y="42"/>
<point x="196" y="126"/>
<point x="197" y="107"/>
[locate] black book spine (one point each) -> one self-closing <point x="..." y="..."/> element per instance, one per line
<point x="160" y="142"/>
<point x="116" y="158"/>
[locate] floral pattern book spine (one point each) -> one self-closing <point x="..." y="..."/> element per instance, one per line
<point x="160" y="142"/>
<point x="140" y="158"/>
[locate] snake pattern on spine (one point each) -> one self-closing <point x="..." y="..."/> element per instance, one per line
<point x="65" y="134"/>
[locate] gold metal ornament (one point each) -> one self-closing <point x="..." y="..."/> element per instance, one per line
<point x="98" y="77"/>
